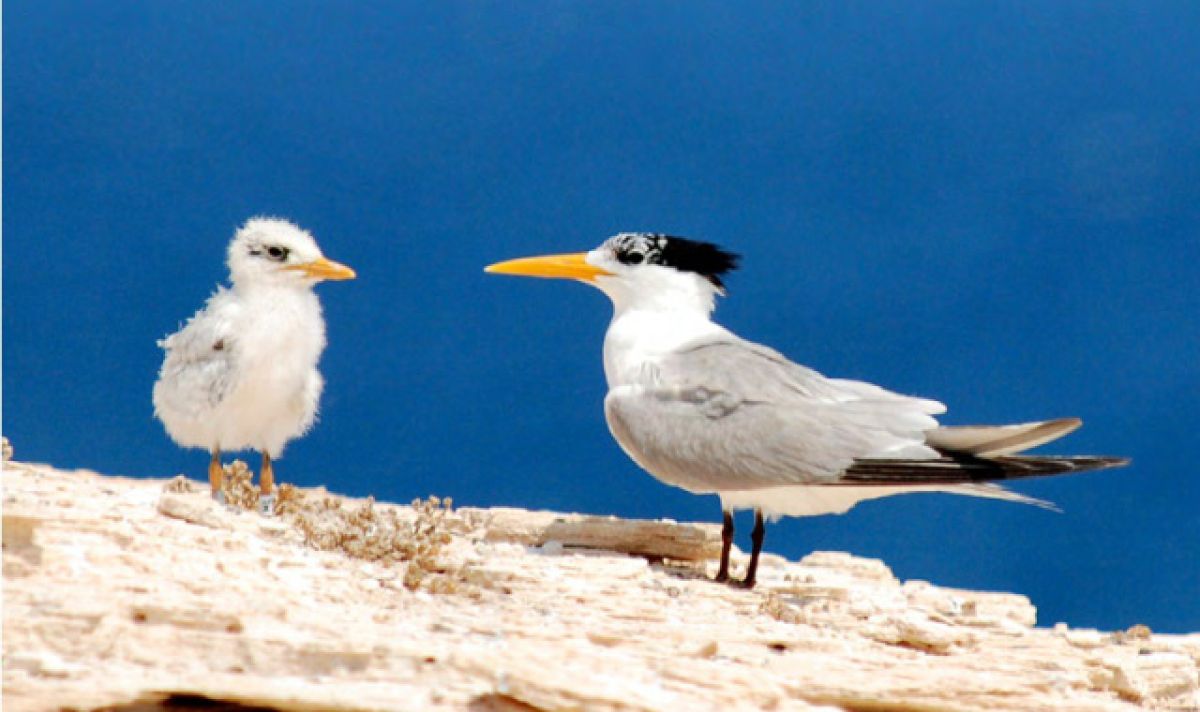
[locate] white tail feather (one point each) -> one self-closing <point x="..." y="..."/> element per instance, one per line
<point x="813" y="500"/>
<point x="998" y="440"/>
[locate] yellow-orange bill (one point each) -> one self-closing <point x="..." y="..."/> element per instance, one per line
<point x="572" y="266"/>
<point x="322" y="268"/>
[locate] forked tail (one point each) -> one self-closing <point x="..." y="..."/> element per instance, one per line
<point x="973" y="454"/>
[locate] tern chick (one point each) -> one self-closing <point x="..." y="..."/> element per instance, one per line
<point x="242" y="373"/>
<point x="702" y="409"/>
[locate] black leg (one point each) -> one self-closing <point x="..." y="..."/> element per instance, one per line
<point x="756" y="537"/>
<point x="726" y="544"/>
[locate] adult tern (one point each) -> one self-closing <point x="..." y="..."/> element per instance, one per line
<point x="702" y="409"/>
<point x="242" y="373"/>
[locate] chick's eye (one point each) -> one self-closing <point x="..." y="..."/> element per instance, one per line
<point x="277" y="253"/>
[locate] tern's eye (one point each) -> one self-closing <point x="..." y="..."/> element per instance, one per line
<point x="632" y="258"/>
<point x="277" y="253"/>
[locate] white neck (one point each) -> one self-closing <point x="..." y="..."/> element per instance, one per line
<point x="661" y="290"/>
<point x="283" y="321"/>
<point x="652" y="320"/>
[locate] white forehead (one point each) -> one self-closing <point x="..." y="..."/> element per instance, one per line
<point x="276" y="231"/>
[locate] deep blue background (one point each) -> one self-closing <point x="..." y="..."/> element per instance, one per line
<point x="993" y="204"/>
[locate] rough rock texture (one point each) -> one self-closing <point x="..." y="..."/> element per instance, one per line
<point x="129" y="594"/>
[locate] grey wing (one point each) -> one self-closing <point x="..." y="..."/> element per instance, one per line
<point x="727" y="414"/>
<point x="198" y="371"/>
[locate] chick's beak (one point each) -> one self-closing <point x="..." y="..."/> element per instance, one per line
<point x="322" y="268"/>
<point x="572" y="266"/>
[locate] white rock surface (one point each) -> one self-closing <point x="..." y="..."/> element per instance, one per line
<point x="121" y="591"/>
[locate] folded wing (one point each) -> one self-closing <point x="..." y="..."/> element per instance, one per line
<point x="198" y="369"/>
<point x="727" y="414"/>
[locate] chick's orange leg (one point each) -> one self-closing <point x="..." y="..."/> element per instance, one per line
<point x="216" y="473"/>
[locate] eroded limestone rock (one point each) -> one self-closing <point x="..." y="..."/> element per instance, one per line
<point x="125" y="592"/>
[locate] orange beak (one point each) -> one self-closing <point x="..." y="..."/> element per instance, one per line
<point x="572" y="266"/>
<point x="322" y="268"/>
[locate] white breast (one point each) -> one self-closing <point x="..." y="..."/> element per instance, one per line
<point x="276" y="399"/>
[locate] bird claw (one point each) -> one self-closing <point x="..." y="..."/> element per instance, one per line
<point x="266" y="505"/>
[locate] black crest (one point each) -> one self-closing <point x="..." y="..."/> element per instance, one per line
<point x="703" y="258"/>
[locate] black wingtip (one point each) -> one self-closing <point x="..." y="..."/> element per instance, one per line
<point x="965" y="469"/>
